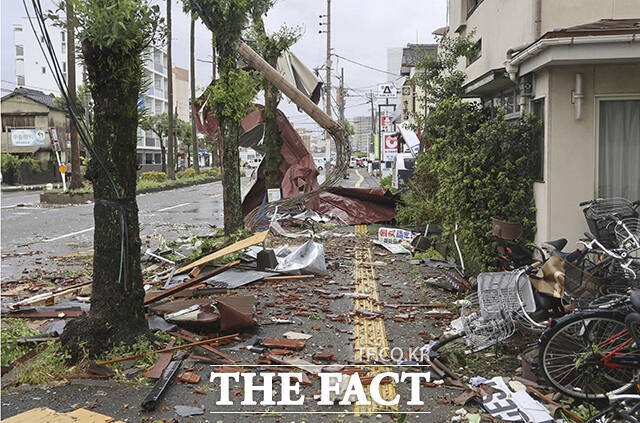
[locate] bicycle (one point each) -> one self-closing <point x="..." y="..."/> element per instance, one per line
<point x="593" y="354"/>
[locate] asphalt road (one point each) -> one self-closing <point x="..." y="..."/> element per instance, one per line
<point x="43" y="231"/>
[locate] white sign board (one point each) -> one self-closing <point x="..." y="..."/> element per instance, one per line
<point x="387" y="90"/>
<point x="389" y="146"/>
<point x="28" y="137"/>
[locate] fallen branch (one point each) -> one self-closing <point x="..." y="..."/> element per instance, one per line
<point x="552" y="402"/>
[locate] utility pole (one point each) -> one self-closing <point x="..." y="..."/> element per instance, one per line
<point x="171" y="174"/>
<point x="76" y="175"/>
<point x="342" y="99"/>
<point x="373" y="126"/>
<point x="328" y="86"/>
<point x="192" y="65"/>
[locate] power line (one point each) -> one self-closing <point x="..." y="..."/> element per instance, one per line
<point x="366" y="66"/>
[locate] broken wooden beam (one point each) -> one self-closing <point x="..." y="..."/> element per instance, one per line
<point x="240" y="245"/>
<point x="189" y="283"/>
<point x="190" y="337"/>
<point x="179" y="347"/>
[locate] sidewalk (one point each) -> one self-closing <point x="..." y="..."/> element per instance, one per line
<point x="39" y="187"/>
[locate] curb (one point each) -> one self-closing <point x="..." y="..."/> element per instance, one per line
<point x="16" y="188"/>
<point x="150" y="190"/>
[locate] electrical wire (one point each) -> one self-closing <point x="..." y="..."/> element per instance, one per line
<point x="82" y="126"/>
<point x="366" y="66"/>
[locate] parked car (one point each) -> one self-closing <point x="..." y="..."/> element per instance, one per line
<point x="352" y="162"/>
<point x="402" y="169"/>
<point x="360" y="163"/>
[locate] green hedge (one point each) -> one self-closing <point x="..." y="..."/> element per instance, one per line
<point x="153" y="176"/>
<point x="12" y="167"/>
<point x="187" y="173"/>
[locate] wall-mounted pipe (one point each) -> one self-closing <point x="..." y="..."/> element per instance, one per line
<point x="577" y="96"/>
<point x="537" y="18"/>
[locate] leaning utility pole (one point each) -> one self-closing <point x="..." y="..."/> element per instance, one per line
<point x="192" y="65"/>
<point x="76" y="175"/>
<point x="171" y="173"/>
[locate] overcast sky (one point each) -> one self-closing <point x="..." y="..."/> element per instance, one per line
<point x="362" y="30"/>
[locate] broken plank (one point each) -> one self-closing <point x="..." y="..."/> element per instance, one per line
<point x="189" y="283"/>
<point x="294" y="344"/>
<point x="163" y="361"/>
<point x="240" y="245"/>
<point x="190" y="337"/>
<point x="50" y="298"/>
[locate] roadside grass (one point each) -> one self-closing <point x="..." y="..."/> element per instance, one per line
<point x="47" y="367"/>
<point x="12" y="329"/>
<point x="430" y="253"/>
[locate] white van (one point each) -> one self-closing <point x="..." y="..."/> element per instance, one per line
<point x="402" y="169"/>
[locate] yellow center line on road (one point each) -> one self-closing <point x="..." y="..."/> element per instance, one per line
<point x="359" y="180"/>
<point x="371" y="339"/>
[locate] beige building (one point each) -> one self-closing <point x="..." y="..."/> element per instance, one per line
<point x="411" y="94"/>
<point x="576" y="65"/>
<point x="27" y="118"/>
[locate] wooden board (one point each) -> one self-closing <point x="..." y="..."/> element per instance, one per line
<point x="188" y="283"/>
<point x="47" y="415"/>
<point x="240" y="245"/>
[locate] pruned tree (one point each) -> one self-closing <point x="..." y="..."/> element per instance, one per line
<point x="271" y="47"/>
<point x="159" y="125"/>
<point x="231" y="95"/>
<point x="113" y="36"/>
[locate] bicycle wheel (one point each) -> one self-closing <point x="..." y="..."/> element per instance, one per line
<point x="613" y="414"/>
<point x="572" y="352"/>
<point x="633" y="324"/>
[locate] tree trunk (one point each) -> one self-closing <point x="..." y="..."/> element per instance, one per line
<point x="192" y="66"/>
<point x="117" y="311"/>
<point x="272" y="137"/>
<point x="76" y="175"/>
<point x="230" y="154"/>
<point x="163" y="155"/>
<point x="171" y="165"/>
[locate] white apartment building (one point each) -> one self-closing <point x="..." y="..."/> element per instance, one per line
<point x="32" y="71"/>
<point x="576" y="65"/>
<point x="156" y="102"/>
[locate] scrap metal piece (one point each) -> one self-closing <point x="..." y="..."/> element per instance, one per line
<point x="151" y="400"/>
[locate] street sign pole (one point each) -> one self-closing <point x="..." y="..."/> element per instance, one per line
<point x="56" y="148"/>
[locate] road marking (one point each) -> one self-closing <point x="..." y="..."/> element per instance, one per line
<point x="370" y="333"/>
<point x="359" y="180"/>
<point x="68" y="235"/>
<point x="173" y="207"/>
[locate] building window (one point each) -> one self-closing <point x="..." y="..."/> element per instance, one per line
<point x="18" y="121"/>
<point x="148" y="158"/>
<point x="140" y="158"/>
<point x="20" y="80"/>
<point x="619" y="149"/>
<point x="538" y="112"/>
<point x="19" y="50"/>
<point x="477" y="53"/>
<point x="44" y="70"/>
<point x="63" y="36"/>
<point x="150" y="141"/>
<point x="157" y="158"/>
<point x="64" y="67"/>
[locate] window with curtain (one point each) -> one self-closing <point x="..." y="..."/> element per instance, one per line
<point x="619" y="149"/>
